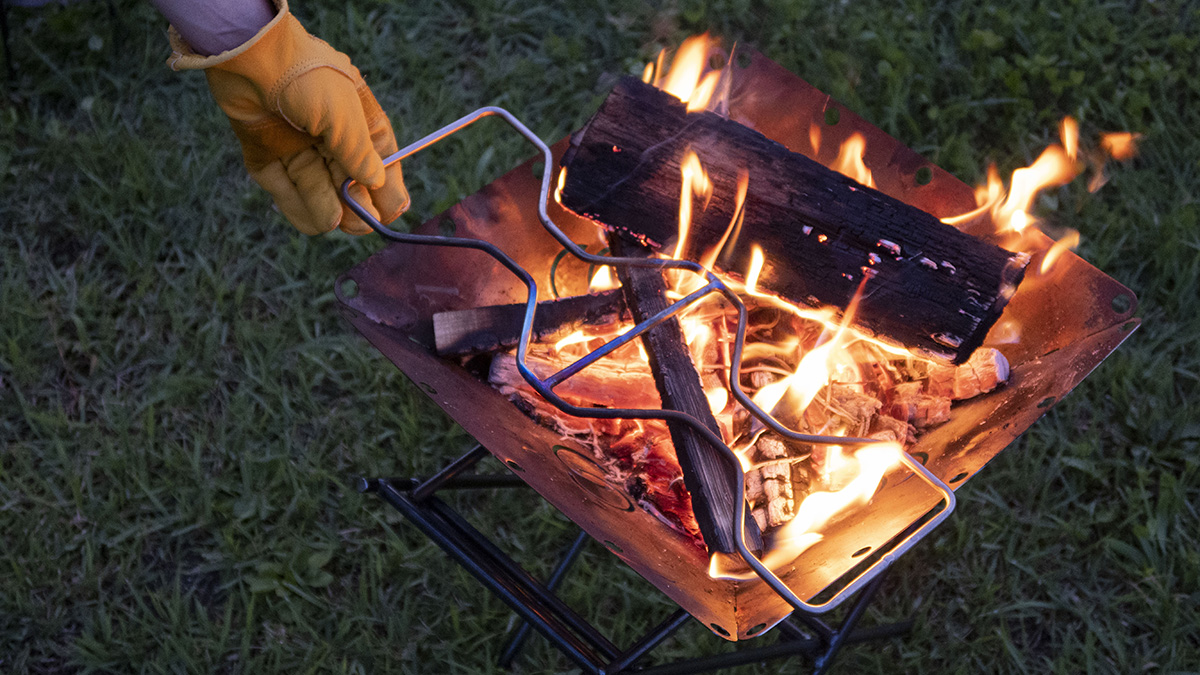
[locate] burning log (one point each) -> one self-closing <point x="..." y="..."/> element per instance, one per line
<point x="707" y="476"/>
<point x="486" y="329"/>
<point x="933" y="288"/>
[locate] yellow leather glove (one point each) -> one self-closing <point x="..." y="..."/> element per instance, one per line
<point x="306" y="121"/>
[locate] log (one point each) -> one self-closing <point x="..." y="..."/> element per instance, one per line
<point x="932" y="288"/>
<point x="480" y="330"/>
<point x="708" y="477"/>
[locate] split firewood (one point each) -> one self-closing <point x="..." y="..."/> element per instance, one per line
<point x="932" y="288"/>
<point x="479" y="330"/>
<point x="706" y="473"/>
<point x="606" y="383"/>
<point x="885" y="426"/>
<point x="983" y="372"/>
<point x="910" y="403"/>
<point x="778" y="493"/>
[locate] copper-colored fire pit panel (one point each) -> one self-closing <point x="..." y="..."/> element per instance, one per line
<point x="1071" y="319"/>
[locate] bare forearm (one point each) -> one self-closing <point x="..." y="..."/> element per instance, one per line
<point x="214" y="26"/>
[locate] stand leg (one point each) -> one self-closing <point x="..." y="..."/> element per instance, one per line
<point x="522" y="633"/>
<point x="579" y="640"/>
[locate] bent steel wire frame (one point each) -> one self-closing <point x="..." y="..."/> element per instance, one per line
<point x="545" y="387"/>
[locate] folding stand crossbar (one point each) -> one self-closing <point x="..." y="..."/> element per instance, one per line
<point x="536" y="603"/>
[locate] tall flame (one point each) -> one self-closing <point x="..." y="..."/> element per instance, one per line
<point x="694" y="183"/>
<point x="687" y="79"/>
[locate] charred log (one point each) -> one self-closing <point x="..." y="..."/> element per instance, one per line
<point x="932" y="288"/>
<point x="487" y="329"/>
<point x="709" y="478"/>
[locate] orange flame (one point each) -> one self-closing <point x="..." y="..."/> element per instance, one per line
<point x="1069" y="131"/>
<point x="849" y="161"/>
<point x="695" y="182"/>
<point x="578" y="337"/>
<point x="734" y="230"/>
<point x="1052" y="168"/>
<point x="868" y="465"/>
<point x="1121" y="146"/>
<point x="686" y="79"/>
<point x="602" y="280"/>
<point x="1068" y="242"/>
<point x="562" y="180"/>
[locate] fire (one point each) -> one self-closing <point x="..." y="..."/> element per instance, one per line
<point x="1121" y="146"/>
<point x="562" y="181"/>
<point x="867" y="466"/>
<point x="687" y="79"/>
<point x="602" y="280"/>
<point x="849" y="161"/>
<point x="578" y="337"/>
<point x="695" y="183"/>
<point x="1067" y="242"/>
<point x="729" y="239"/>
<point x="1051" y="169"/>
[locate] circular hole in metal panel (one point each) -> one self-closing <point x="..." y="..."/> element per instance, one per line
<point x="1122" y="303"/>
<point x="959" y="477"/>
<point x="1046" y="402"/>
<point x="718" y="630"/>
<point x="348" y="289"/>
<point x="537" y="169"/>
<point x="716" y="61"/>
<point x="924" y="175"/>
<point x="613" y="547"/>
<point x="427" y="388"/>
<point x="860" y="552"/>
<point x="756" y="630"/>
<point x="447" y="227"/>
<point x="744" y="60"/>
<point x="832" y="116"/>
<point x="514" y="466"/>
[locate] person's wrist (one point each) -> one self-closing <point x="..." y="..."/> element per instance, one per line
<point x="215" y="27"/>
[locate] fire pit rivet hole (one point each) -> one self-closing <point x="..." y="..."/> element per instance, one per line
<point x="537" y="170"/>
<point x="716" y="61"/>
<point x="922" y="457"/>
<point x="924" y="175"/>
<point x="447" y="227"/>
<point x="756" y="630"/>
<point x="1129" y="325"/>
<point x="348" y="288"/>
<point x="613" y="547"/>
<point x="860" y="552"/>
<point x="720" y="631"/>
<point x="428" y="388"/>
<point x="1046" y="402"/>
<point x="1122" y="303"/>
<point x="959" y="477"/>
<point x="832" y="116"/>
<point x="744" y="59"/>
<point x="514" y="466"/>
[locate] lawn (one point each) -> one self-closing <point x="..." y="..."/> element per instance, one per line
<point x="182" y="411"/>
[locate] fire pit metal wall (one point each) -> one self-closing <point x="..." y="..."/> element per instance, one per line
<point x="1071" y="319"/>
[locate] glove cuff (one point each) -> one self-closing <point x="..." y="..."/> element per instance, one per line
<point x="183" y="57"/>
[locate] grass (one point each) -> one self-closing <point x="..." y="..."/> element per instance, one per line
<point x="182" y="411"/>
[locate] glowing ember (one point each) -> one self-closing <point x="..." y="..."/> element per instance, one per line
<point x="578" y="337"/>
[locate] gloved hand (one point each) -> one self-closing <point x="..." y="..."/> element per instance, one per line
<point x="306" y="121"/>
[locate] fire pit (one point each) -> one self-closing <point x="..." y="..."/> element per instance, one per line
<point x="1070" y="318"/>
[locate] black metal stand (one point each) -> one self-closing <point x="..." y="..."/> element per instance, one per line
<point x="539" y="607"/>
